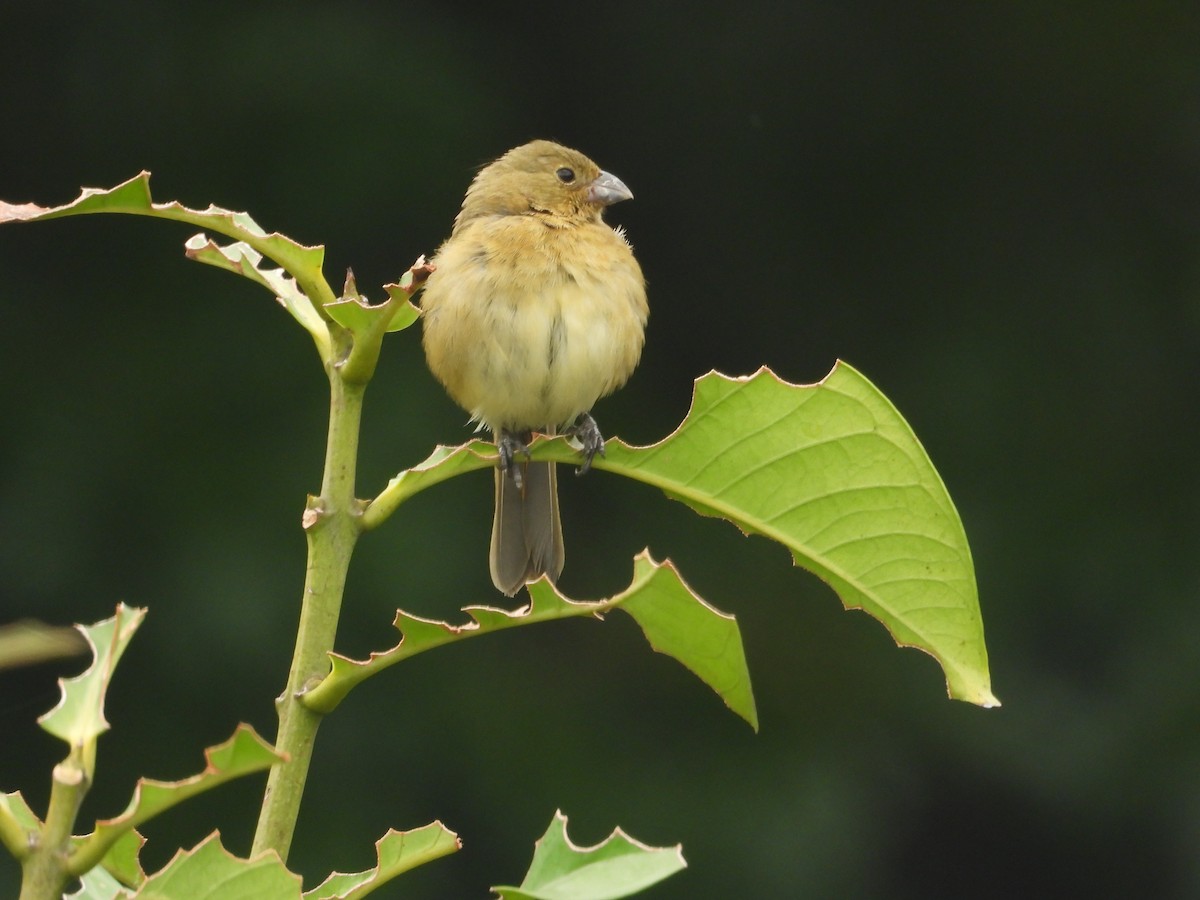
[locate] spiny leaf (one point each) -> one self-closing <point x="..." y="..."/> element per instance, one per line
<point x="673" y="618"/>
<point x="832" y="472"/>
<point x="356" y="313"/>
<point x="78" y="718"/>
<point x="617" y="867"/>
<point x="210" y="872"/>
<point x="396" y="852"/>
<point x="244" y="753"/>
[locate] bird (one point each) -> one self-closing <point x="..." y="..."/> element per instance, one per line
<point x="535" y="309"/>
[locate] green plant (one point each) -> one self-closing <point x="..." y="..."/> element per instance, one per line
<point x="830" y="470"/>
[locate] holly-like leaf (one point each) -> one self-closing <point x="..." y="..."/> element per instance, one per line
<point x="617" y="867"/>
<point x="356" y="313"/>
<point x="705" y="640"/>
<point x="396" y="852"/>
<point x="243" y="754"/>
<point x="78" y="718"/>
<point x="210" y="872"/>
<point x="832" y="472"/>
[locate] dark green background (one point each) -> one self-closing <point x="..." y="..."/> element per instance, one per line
<point x="993" y="210"/>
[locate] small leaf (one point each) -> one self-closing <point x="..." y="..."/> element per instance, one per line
<point x="210" y="872"/>
<point x="356" y="313"/>
<point x="832" y="472"/>
<point x="243" y="754"/>
<point x="78" y="718"/>
<point x="395" y="853"/>
<point x="618" y="867"/>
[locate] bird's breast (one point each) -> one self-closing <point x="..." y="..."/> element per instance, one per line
<point x="528" y="325"/>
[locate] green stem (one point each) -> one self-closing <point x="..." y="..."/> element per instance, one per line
<point x="44" y="871"/>
<point x="332" y="524"/>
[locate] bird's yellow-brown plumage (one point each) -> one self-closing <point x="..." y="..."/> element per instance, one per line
<point x="536" y="309"/>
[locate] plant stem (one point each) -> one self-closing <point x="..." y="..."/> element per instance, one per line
<point x="45" y="869"/>
<point x="332" y="524"/>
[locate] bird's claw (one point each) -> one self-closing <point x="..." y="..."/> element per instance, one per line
<point x="508" y="445"/>
<point x="588" y="433"/>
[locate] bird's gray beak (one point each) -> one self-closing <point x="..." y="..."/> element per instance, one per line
<point x="608" y="189"/>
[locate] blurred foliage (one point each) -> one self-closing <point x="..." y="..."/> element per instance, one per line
<point x="993" y="210"/>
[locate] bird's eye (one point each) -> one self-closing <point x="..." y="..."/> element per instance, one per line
<point x="565" y="175"/>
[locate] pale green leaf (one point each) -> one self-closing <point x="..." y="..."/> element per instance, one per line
<point x="396" y="852"/>
<point x="78" y="718"/>
<point x="618" y="867"/>
<point x="210" y="872"/>
<point x="357" y="314"/>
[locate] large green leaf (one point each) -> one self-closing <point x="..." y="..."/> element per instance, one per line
<point x="835" y="474"/>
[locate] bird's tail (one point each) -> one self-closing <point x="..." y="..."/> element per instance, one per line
<point x="527" y="538"/>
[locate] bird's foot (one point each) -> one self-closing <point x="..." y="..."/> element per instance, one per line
<point x="588" y="433"/>
<point x="510" y="444"/>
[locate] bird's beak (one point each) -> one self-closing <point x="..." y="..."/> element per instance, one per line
<point x="608" y="189"/>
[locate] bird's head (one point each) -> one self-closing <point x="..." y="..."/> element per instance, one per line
<point x="542" y="177"/>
